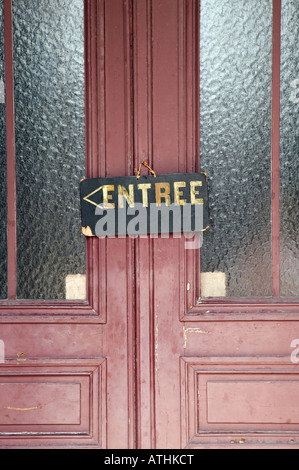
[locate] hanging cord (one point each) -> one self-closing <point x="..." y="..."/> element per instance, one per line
<point x="146" y="166"/>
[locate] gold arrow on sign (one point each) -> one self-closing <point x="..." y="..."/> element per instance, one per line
<point x="91" y="194"/>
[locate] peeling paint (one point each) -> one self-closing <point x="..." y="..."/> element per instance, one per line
<point x="21" y="357"/>
<point x="24" y="409"/>
<point x="75" y="287"/>
<point x="213" y="284"/>
<point x="192" y="330"/>
<point x="87" y="231"/>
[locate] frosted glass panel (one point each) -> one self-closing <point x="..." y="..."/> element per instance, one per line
<point x="289" y="150"/>
<point x="3" y="211"/>
<point x="50" y="144"/>
<point x="235" y="133"/>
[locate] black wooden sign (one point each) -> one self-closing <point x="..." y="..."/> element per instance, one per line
<point x="162" y="204"/>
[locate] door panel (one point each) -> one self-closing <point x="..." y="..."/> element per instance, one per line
<point x="68" y="373"/>
<point x="54" y="402"/>
<point x="211" y="372"/>
<point x="238" y="401"/>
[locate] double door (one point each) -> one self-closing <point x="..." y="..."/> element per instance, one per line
<point x="175" y="342"/>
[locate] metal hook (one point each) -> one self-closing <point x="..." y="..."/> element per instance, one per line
<point x="146" y="166"/>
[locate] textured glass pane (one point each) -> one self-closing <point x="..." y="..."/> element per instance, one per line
<point x="235" y="130"/>
<point x="3" y="212"/>
<point x="289" y="150"/>
<point x="50" y="144"/>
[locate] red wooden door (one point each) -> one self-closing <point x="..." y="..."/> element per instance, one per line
<point x="174" y="346"/>
<point x="215" y="326"/>
<point x="67" y="357"/>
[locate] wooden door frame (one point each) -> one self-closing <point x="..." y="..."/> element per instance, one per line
<point x="274" y="308"/>
<point x="191" y="308"/>
<point x="110" y="356"/>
